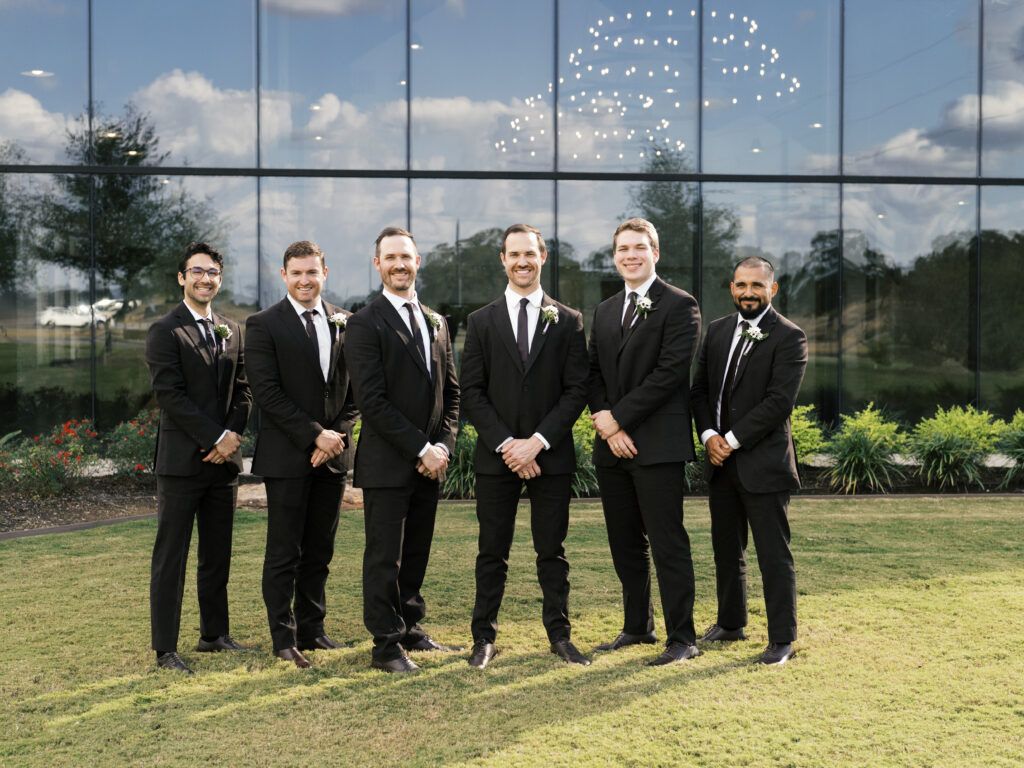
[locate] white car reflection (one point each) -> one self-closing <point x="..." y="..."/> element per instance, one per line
<point x="101" y="313"/>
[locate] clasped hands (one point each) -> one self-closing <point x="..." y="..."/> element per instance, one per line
<point x="618" y="439"/>
<point x="718" y="449"/>
<point x="223" y="450"/>
<point x="433" y="463"/>
<point x="520" y="455"/>
<point x="328" y="445"/>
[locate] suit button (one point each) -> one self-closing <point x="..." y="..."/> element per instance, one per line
<point x="327" y="393"/>
<point x="526" y="387"/>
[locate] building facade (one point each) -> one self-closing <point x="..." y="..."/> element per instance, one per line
<point x="873" y="150"/>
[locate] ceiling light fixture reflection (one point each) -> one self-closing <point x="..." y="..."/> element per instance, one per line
<point x="881" y="215"/>
<point x="37" y="73"/>
<point x="111" y="135"/>
<point x="416" y="46"/>
<point x="314" y="107"/>
<point x="815" y="125"/>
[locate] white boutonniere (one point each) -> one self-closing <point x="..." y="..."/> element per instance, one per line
<point x="644" y="305"/>
<point x="434" y="321"/>
<point x="753" y="334"/>
<point x="222" y="332"/>
<point x="549" y="315"/>
<point x="338" y="319"/>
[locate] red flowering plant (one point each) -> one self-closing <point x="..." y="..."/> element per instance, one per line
<point x="50" y="464"/>
<point x="132" y="444"/>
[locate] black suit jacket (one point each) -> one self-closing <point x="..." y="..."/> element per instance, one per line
<point x="643" y="376"/>
<point x="503" y="399"/>
<point x="403" y="407"/>
<point x="295" y="402"/>
<point x="761" y="400"/>
<point x="200" y="394"/>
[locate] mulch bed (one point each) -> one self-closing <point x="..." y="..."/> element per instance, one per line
<point x="102" y="498"/>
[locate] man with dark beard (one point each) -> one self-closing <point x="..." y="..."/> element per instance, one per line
<point x="748" y="375"/>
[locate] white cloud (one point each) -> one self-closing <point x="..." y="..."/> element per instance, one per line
<point x="24" y="120"/>
<point x="321" y="8"/>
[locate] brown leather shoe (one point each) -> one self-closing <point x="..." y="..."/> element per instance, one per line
<point x="625" y="638"/>
<point x="295" y="656"/>
<point x="402" y="664"/>
<point x="322" y="643"/>
<point x="675" y="652"/>
<point x="173" y="662"/>
<point x="567" y="652"/>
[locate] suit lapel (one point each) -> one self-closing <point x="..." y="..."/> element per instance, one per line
<point x="503" y="327"/>
<point x="540" y="334"/>
<point x="297" y="328"/>
<point x="766" y="325"/>
<point x="190" y="328"/>
<point x="654" y="292"/>
<point x="391" y="316"/>
<point x="337" y="334"/>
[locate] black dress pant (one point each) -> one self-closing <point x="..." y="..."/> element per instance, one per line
<point x="732" y="509"/>
<point x="643" y="510"/>
<point x="302" y="520"/>
<point x="399" y="529"/>
<point x="497" y="499"/>
<point x="207" y="500"/>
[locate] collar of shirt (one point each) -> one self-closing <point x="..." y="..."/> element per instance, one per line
<point x="196" y="316"/>
<point x="512" y="299"/>
<point x="399" y="302"/>
<point x="299" y="309"/>
<point x="753" y="323"/>
<point x="645" y="286"/>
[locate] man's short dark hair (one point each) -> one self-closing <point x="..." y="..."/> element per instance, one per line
<point x="392" y="232"/>
<point x="756" y="261"/>
<point x="192" y="249"/>
<point x="527" y="229"/>
<point x="301" y="248"/>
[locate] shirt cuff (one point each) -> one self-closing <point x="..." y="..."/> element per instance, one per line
<point x="502" y="444"/>
<point x="423" y="450"/>
<point x="539" y="436"/>
<point x="222" y="436"/>
<point x="706" y="435"/>
<point x="730" y="438"/>
<point x="444" y="447"/>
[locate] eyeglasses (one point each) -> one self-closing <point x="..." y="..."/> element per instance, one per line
<point x="198" y="272"/>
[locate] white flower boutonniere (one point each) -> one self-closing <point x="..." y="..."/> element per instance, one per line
<point x="435" y="321"/>
<point x="753" y="334"/>
<point x="549" y="316"/>
<point x="222" y="332"/>
<point x="338" y="319"/>
<point x="644" y="305"/>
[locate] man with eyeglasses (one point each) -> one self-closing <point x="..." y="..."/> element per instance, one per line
<point x="196" y="365"/>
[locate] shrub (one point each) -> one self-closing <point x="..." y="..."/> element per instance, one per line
<point x="952" y="446"/>
<point x="131" y="445"/>
<point x="49" y="465"/>
<point x="584" y="477"/>
<point x="807" y="436"/>
<point x="693" y="472"/>
<point x="863" y="449"/>
<point x="460" y="481"/>
<point x="1012" y="446"/>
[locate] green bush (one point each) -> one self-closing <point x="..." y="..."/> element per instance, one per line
<point x="693" y="471"/>
<point x="131" y="445"/>
<point x="1012" y="446"/>
<point x="584" y="477"/>
<point x="48" y="465"/>
<point x="807" y="436"/>
<point x="460" y="481"/>
<point x="863" y="449"/>
<point x="952" y="446"/>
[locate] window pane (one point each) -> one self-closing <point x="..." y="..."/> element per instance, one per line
<point x="1002" y="128"/>
<point x="44" y="82"/>
<point x="794" y="226"/>
<point x="589" y="213"/>
<point x="342" y="216"/>
<point x="911" y="87"/>
<point x="458" y="227"/>
<point x="627" y="86"/>
<point x="907" y="297"/>
<point x="1002" y="256"/>
<point x="771" y="88"/>
<point x="333" y="84"/>
<point x="481" y="85"/>
<point x="175" y="80"/>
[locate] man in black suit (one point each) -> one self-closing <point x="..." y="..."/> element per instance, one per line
<point x="524" y="374"/>
<point x="641" y="345"/>
<point x="403" y="376"/>
<point x="748" y="376"/>
<point x="304" y="450"/>
<point x="196" y="364"/>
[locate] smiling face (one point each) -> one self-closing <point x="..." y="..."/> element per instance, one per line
<point x="199" y="291"/>
<point x="304" y="277"/>
<point x="752" y="290"/>
<point x="522" y="258"/>
<point x="397" y="263"/>
<point x="635" y="257"/>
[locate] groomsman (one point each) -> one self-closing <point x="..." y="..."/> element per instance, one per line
<point x="641" y="345"/>
<point x="294" y="353"/>
<point x="403" y="376"/>
<point x="524" y="372"/>
<point x="196" y="364"/>
<point x="748" y="375"/>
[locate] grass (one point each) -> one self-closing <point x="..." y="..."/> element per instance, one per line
<point x="909" y="654"/>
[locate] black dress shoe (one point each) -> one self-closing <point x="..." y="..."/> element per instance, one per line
<point x="173" y="662"/>
<point x="322" y="643"/>
<point x="624" y="639"/>
<point x="401" y="664"/>
<point x="426" y="643"/>
<point x="222" y="643"/>
<point x="566" y="651"/>
<point x="673" y="653"/>
<point x="483" y="652"/>
<point x="715" y="634"/>
<point x="295" y="656"/>
<point x="776" y="654"/>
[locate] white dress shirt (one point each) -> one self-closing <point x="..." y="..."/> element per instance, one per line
<point x="640" y="292"/>
<point x="512" y="302"/>
<point x="323" y="331"/>
<point x="203" y="329"/>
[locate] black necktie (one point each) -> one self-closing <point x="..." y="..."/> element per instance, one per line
<point x="311" y="332"/>
<point x="523" y="331"/>
<point x="211" y="342"/>
<point x="630" y="313"/>
<point x="416" y="330"/>
<point x="730" y="373"/>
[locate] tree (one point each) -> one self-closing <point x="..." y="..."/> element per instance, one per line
<point x="11" y="210"/>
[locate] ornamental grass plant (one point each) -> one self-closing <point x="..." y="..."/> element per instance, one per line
<point x="953" y="444"/>
<point x="1011" y="445"/>
<point x="864" y="449"/>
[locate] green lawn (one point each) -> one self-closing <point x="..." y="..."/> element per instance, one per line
<point x="911" y="653"/>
